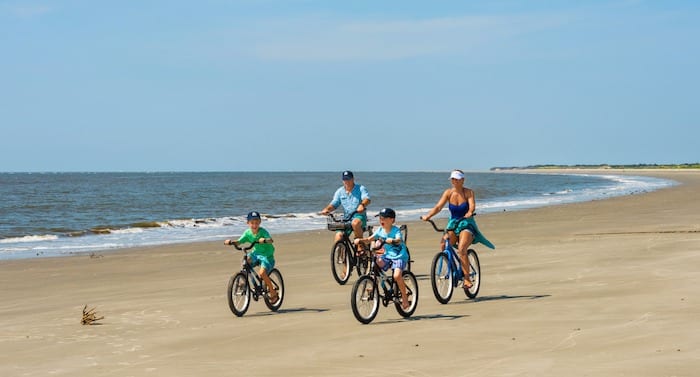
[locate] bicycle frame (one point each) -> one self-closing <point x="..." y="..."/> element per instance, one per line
<point x="256" y="285"/>
<point x="454" y="267"/>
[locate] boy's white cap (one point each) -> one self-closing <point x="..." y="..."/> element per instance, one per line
<point x="456" y="175"/>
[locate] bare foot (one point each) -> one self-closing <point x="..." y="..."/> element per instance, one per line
<point x="274" y="297"/>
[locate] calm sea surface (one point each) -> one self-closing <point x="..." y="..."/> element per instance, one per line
<point x="54" y="214"/>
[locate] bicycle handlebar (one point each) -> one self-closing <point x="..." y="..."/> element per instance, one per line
<point x="250" y="246"/>
<point x="438" y="229"/>
<point x="344" y="219"/>
<point x="377" y="244"/>
<point x="435" y="226"/>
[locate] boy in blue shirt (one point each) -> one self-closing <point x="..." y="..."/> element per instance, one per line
<point x="394" y="249"/>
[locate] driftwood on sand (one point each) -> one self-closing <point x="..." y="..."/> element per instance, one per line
<point x="90" y="316"/>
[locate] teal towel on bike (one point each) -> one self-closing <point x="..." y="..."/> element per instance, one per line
<point x="457" y="225"/>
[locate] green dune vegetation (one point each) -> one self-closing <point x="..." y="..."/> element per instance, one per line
<point x="695" y="165"/>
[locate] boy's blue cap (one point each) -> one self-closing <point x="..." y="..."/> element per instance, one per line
<point x="387" y="212"/>
<point x="253" y="215"/>
<point x="347" y="175"/>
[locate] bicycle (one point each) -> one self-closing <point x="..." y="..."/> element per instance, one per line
<point x="366" y="293"/>
<point x="446" y="271"/>
<point x="344" y="255"/>
<point x="248" y="283"/>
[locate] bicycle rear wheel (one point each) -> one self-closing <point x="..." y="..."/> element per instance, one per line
<point x="474" y="274"/>
<point x="365" y="299"/>
<point x="278" y="283"/>
<point x="411" y="294"/>
<point x="238" y="294"/>
<point x="441" y="278"/>
<point x="340" y="262"/>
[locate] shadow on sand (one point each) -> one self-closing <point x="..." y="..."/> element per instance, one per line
<point x="290" y="310"/>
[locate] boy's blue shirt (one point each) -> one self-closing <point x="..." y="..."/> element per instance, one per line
<point x="392" y="251"/>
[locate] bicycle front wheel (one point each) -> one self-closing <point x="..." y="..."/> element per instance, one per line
<point x="411" y="283"/>
<point x="365" y="299"/>
<point x="363" y="263"/>
<point x="474" y="274"/>
<point x="278" y="283"/>
<point x="340" y="262"/>
<point x="238" y="294"/>
<point x="441" y="278"/>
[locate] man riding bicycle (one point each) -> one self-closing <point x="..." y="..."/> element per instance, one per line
<point x="353" y="198"/>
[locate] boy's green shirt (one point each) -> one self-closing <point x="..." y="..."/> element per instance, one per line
<point x="264" y="249"/>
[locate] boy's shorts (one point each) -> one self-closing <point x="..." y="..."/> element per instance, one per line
<point x="393" y="263"/>
<point x="268" y="263"/>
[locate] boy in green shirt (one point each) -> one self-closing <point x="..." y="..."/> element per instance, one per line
<point x="263" y="253"/>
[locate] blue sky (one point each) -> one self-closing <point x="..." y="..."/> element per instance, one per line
<point x="332" y="85"/>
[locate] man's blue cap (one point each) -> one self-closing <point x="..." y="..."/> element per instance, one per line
<point x="347" y="175"/>
<point x="253" y="215"/>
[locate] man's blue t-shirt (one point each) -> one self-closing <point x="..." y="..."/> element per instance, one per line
<point x="349" y="201"/>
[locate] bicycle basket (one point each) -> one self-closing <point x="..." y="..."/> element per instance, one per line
<point x="337" y="225"/>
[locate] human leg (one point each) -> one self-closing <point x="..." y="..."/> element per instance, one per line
<point x="398" y="278"/>
<point x="270" y="287"/>
<point x="465" y="239"/>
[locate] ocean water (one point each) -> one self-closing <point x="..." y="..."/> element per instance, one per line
<point x="55" y="214"/>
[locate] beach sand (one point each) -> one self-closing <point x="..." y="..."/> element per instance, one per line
<point x="604" y="288"/>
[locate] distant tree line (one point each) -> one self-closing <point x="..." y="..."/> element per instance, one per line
<point x="695" y="165"/>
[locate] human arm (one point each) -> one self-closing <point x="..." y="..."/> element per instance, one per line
<point x="364" y="199"/>
<point x="471" y="201"/>
<point x="327" y="209"/>
<point x="335" y="202"/>
<point x="438" y="207"/>
<point x="363" y="205"/>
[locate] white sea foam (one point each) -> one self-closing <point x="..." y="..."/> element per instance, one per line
<point x="26" y="239"/>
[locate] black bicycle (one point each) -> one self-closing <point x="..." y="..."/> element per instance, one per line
<point x="378" y="286"/>
<point x="247" y="283"/>
<point x="446" y="271"/>
<point x="344" y="255"/>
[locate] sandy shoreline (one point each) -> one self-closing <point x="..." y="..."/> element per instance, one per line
<point x="605" y="288"/>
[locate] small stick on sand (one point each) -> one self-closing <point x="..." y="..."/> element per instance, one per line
<point x="90" y="316"/>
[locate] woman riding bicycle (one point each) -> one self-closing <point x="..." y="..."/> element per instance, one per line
<point x="462" y="226"/>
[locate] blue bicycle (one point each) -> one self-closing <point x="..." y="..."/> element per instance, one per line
<point x="446" y="272"/>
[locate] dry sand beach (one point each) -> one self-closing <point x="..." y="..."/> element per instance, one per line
<point x="604" y="288"/>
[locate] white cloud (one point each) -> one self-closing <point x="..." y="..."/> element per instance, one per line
<point x="322" y="39"/>
<point x="26" y="10"/>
